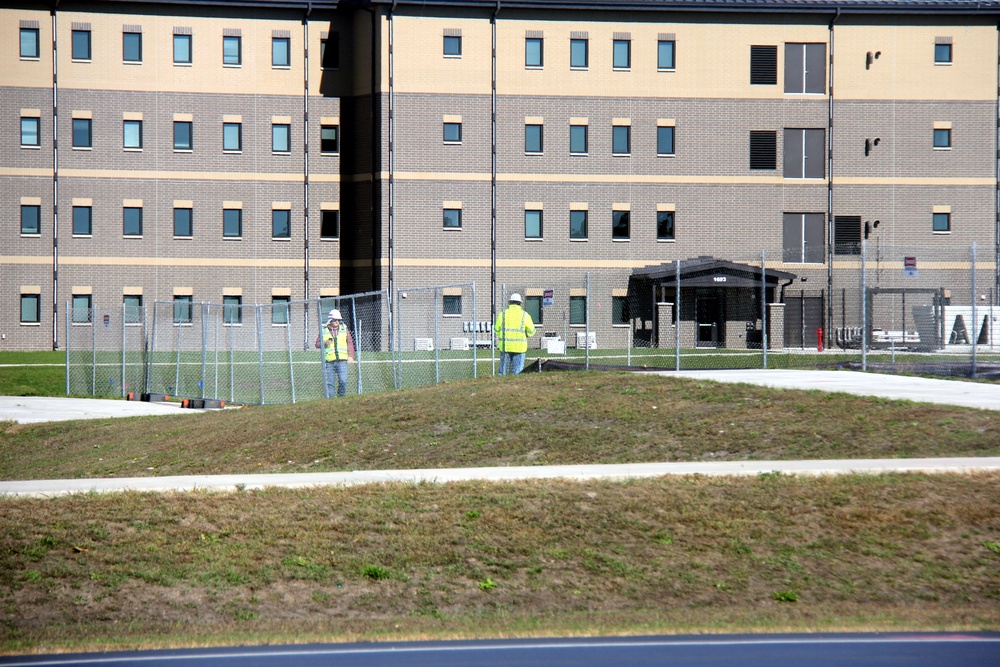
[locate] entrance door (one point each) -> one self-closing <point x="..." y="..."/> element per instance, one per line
<point x="709" y="323"/>
<point x="803" y="316"/>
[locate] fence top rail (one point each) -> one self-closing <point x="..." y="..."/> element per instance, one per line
<point x="436" y="287"/>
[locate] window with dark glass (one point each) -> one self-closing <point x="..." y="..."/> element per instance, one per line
<point x="619" y="310"/>
<point x="942" y="138"/>
<point x="183" y="139"/>
<point x="232" y="223"/>
<point x="942" y="54"/>
<point x="533" y="51"/>
<point x="621" y="140"/>
<point x="183" y="308"/>
<point x="31" y="134"/>
<point x="131" y="221"/>
<point x="578" y="53"/>
<point x="453" y="133"/>
<point x="453" y="45"/>
<point x="329" y="139"/>
<point x="281" y="138"/>
<point x="532" y="138"/>
<point x="183" y="222"/>
<point x="31" y="308"/>
<point x="533" y="306"/>
<point x="532" y="224"/>
<point x="29" y="43"/>
<point x="232" y="309"/>
<point x="622" y="54"/>
<point x="620" y="225"/>
<point x="941" y="222"/>
<point x="279" y="309"/>
<point x="82" y="134"/>
<point x="578" y="310"/>
<point x="665" y="52"/>
<point x="451" y="304"/>
<point x="578" y="224"/>
<point x="452" y="218"/>
<point x="182" y="49"/>
<point x="665" y="226"/>
<point x="281" y="52"/>
<point x="132" y="47"/>
<point x="81" y="310"/>
<point x="330" y="51"/>
<point x="281" y="224"/>
<point x="232" y="137"/>
<point x="329" y="224"/>
<point x="81" y="45"/>
<point x="664" y="140"/>
<point x="132" y="308"/>
<point x="31" y="219"/>
<point x="578" y="139"/>
<point x="132" y="134"/>
<point x="232" y="50"/>
<point x="83" y="221"/>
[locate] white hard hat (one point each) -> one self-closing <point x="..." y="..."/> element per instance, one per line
<point x="515" y="298"/>
<point x="335" y="315"/>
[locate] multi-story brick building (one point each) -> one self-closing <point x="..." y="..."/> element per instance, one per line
<point x="257" y="152"/>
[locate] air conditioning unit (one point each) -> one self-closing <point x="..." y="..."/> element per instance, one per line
<point x="460" y="343"/>
<point x="586" y="339"/>
<point x="423" y="344"/>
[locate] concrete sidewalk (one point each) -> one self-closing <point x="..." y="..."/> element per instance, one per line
<point x="35" y="409"/>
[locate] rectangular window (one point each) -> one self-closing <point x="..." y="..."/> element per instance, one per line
<point x="619" y="310"/>
<point x="532" y="224"/>
<point x="622" y="54"/>
<point x="232" y="310"/>
<point x="532" y="138"/>
<point x="182" y="49"/>
<point x="131" y="221"/>
<point x="847" y="235"/>
<point x="81" y="45"/>
<point x="942" y="54"/>
<point x="29" y="43"/>
<point x="664" y="140"/>
<point x="578" y="139"/>
<point x="578" y="224"/>
<point x="182" y="308"/>
<point x="329" y="224"/>
<point x="281" y="224"/>
<point x="281" y="138"/>
<point x="81" y="309"/>
<point x="665" y="226"/>
<point x="232" y="50"/>
<point x="279" y="309"/>
<point x="329" y="51"/>
<point x="452" y="133"/>
<point x="329" y="139"/>
<point x="532" y="51"/>
<point x="805" y="68"/>
<point x="31" y="308"/>
<point x="763" y="65"/>
<point x="183" y="135"/>
<point x="31" y="219"/>
<point x="578" y="310"/>
<point x="232" y="223"/>
<point x="620" y="225"/>
<point x="82" y="134"/>
<point x="803" y="235"/>
<point x="132" y="308"/>
<point x="281" y="52"/>
<point x="31" y="134"/>
<point x="533" y="306"/>
<point x="183" y="222"/>
<point x="132" y="47"/>
<point x="132" y="134"/>
<point x="232" y="137"/>
<point x="942" y="138"/>
<point x="579" y="56"/>
<point x="452" y="218"/>
<point x="805" y="151"/>
<point x="621" y="140"/>
<point x="83" y="221"/>
<point x="941" y="222"/>
<point x="763" y="149"/>
<point x="665" y="52"/>
<point x="452" y="46"/>
<point x="451" y="304"/>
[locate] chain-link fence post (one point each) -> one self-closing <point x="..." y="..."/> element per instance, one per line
<point x="763" y="306"/>
<point x="975" y="318"/>
<point x="66" y="338"/>
<point x="586" y="335"/>
<point x="677" y="315"/>
<point x="437" y="341"/>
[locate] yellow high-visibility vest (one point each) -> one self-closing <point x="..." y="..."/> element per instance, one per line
<point x="338" y="352"/>
<point x="513" y="326"/>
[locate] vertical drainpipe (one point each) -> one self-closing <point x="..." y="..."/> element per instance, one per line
<point x="828" y="328"/>
<point x="305" y="174"/>
<point x="55" y="185"/>
<point x="392" y="162"/>
<point x="493" y="165"/>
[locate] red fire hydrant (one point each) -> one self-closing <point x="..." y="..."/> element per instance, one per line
<point x="819" y="339"/>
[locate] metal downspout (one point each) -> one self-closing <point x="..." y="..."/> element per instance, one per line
<point x="493" y="165"/>
<point x="828" y="329"/>
<point x="55" y="188"/>
<point x="305" y="179"/>
<point x="392" y="165"/>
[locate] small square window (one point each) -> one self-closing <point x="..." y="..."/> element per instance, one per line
<point x="81" y="311"/>
<point x="183" y="139"/>
<point x="29" y="43"/>
<point x="132" y="47"/>
<point x="453" y="46"/>
<point x="183" y="222"/>
<point x="82" y="134"/>
<point x="621" y="140"/>
<point x="941" y="222"/>
<point x="81" y="45"/>
<point x="578" y="310"/>
<point x="232" y="223"/>
<point x="281" y="224"/>
<point x="182" y="49"/>
<point x="942" y="54"/>
<point x="664" y="225"/>
<point x="942" y="138"/>
<point x="578" y="225"/>
<point x="619" y="310"/>
<point x="622" y="54"/>
<point x="232" y="137"/>
<point x="578" y="139"/>
<point x="83" y="221"/>
<point x="452" y="218"/>
<point x="232" y="50"/>
<point x="664" y="140"/>
<point x="329" y="224"/>
<point x="533" y="306"/>
<point x="132" y="308"/>
<point x="620" y="225"/>
<point x="281" y="138"/>
<point x="452" y="133"/>
<point x="132" y="134"/>
<point x="451" y="304"/>
<point x="665" y="51"/>
<point x="281" y="52"/>
<point x="31" y="219"/>
<point x="232" y="310"/>
<point x="183" y="308"/>
<point x="329" y="51"/>
<point x="329" y="139"/>
<point x="532" y="138"/>
<point x="31" y="131"/>
<point x="279" y="309"/>
<point x="579" y="53"/>
<point x="131" y="221"/>
<point x="532" y="224"/>
<point x="31" y="308"/>
<point x="533" y="51"/>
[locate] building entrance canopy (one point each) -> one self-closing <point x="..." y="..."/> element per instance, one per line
<point x="712" y="272"/>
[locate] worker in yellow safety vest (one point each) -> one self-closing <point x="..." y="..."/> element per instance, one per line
<point x="513" y="327"/>
<point x="338" y="351"/>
